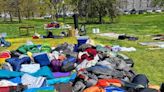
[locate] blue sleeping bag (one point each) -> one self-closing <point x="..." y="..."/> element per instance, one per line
<point x="62" y="80"/>
<point x="6" y="74"/>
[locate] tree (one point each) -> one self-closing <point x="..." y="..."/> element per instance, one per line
<point x="112" y="10"/>
<point x="51" y="7"/>
<point x="3" y="4"/>
<point x="159" y="3"/>
<point x="41" y="8"/>
<point x="17" y="7"/>
<point x="29" y="7"/>
<point x="96" y="8"/>
<point x="101" y="5"/>
<point x="7" y="7"/>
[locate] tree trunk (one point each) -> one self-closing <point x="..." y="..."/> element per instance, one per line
<point x="112" y="19"/>
<point x="51" y="12"/>
<point x="86" y="18"/>
<point x="28" y="14"/>
<point x="11" y="18"/>
<point x="33" y="15"/>
<point x="19" y="15"/>
<point x="56" y="16"/>
<point x="100" y="18"/>
<point x="64" y="14"/>
<point x="18" y="11"/>
<point x="4" y="16"/>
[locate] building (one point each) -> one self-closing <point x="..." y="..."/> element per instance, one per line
<point x="137" y="5"/>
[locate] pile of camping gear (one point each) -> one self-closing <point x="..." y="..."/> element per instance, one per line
<point x="69" y="68"/>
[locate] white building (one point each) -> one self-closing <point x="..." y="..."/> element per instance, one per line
<point x="136" y="4"/>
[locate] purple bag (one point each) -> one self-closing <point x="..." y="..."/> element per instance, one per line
<point x="56" y="65"/>
<point x="61" y="74"/>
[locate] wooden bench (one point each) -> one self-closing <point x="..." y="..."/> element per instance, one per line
<point x="26" y="28"/>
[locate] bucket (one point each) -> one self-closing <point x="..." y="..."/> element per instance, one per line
<point x="82" y="40"/>
<point x="94" y="30"/>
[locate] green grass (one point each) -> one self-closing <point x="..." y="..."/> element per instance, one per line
<point x="146" y="61"/>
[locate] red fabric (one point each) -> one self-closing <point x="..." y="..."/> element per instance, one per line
<point x="50" y="25"/>
<point x="81" y="76"/>
<point x="107" y="82"/>
<point x="85" y="56"/>
<point x="7" y="89"/>
<point x="35" y="37"/>
<point x="91" y="51"/>
<point x="5" y="55"/>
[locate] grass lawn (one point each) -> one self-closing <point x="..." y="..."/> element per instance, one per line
<point x="146" y="61"/>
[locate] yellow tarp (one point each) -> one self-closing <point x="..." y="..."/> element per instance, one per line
<point x="16" y="42"/>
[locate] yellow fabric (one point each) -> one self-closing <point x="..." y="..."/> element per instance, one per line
<point x="29" y="54"/>
<point x="16" y="42"/>
<point x="2" y="61"/>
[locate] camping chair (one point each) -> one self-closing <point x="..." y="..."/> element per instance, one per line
<point x="82" y="30"/>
